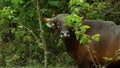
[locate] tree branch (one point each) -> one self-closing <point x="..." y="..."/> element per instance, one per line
<point x="41" y="30"/>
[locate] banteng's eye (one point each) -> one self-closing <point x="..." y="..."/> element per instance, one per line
<point x="58" y="25"/>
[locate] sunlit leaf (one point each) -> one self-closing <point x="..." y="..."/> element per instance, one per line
<point x="86" y="26"/>
<point x="77" y="33"/>
<point x="15" y="57"/>
<point x="60" y="43"/>
<point x="20" y="26"/>
<point x="16" y="1"/>
<point x="96" y="37"/>
<point x="82" y="1"/>
<point x="72" y="2"/>
<point x="118" y="54"/>
<point x="108" y="58"/>
<point x="27" y="38"/>
<point x="83" y="29"/>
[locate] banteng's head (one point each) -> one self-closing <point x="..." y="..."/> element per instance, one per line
<point x="58" y="23"/>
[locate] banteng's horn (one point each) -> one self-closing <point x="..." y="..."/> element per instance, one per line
<point x="84" y="16"/>
<point x="49" y="21"/>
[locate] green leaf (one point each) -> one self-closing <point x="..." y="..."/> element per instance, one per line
<point x="84" y="39"/>
<point x="118" y="57"/>
<point x="2" y="22"/>
<point x="27" y="38"/>
<point x="118" y="54"/>
<point x="60" y="43"/>
<point x="81" y="1"/>
<point x="77" y="33"/>
<point x="96" y="37"/>
<point x="108" y="58"/>
<point x="15" y="57"/>
<point x="83" y="29"/>
<point x="72" y="2"/>
<point x="12" y="30"/>
<point x="75" y="2"/>
<point x="75" y="10"/>
<point x="16" y="2"/>
<point x="54" y="3"/>
<point x="20" y="26"/>
<point x="76" y="18"/>
<point x="86" y="26"/>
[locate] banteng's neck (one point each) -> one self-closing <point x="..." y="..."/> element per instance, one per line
<point x="71" y="41"/>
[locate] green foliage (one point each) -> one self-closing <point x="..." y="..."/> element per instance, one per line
<point x="108" y="59"/>
<point x="84" y="28"/>
<point x="16" y="2"/>
<point x="75" y="2"/>
<point x="80" y="31"/>
<point x="74" y="21"/>
<point x="27" y="38"/>
<point x="5" y="15"/>
<point x="118" y="54"/>
<point x="71" y="19"/>
<point x="54" y="3"/>
<point x="84" y="39"/>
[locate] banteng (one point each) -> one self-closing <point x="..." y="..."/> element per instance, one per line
<point x="107" y="47"/>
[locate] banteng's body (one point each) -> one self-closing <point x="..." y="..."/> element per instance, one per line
<point x="107" y="47"/>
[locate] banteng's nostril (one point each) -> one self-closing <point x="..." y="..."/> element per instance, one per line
<point x="62" y="34"/>
<point x="68" y="33"/>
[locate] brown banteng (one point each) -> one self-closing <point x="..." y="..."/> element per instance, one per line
<point x="108" y="46"/>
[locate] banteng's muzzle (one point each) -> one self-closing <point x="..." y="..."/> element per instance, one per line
<point x="64" y="34"/>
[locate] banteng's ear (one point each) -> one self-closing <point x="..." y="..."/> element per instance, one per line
<point x="50" y="24"/>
